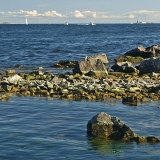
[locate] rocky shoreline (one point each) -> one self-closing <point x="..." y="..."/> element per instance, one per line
<point x="91" y="79"/>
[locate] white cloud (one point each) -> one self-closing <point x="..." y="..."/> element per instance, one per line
<point x="77" y="14"/>
<point x="131" y="16"/>
<point x="32" y="13"/>
<point x="144" y="12"/>
<point x="81" y="14"/>
<point x="52" y="14"/>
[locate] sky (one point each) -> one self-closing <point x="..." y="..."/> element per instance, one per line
<point x="79" y="11"/>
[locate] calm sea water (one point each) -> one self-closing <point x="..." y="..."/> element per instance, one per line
<point x="41" y="128"/>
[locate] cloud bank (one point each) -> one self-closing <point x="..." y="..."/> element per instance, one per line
<point x="76" y="14"/>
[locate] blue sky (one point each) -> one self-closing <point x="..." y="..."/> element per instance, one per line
<point x="79" y="11"/>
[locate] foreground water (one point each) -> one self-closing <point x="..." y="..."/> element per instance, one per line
<point x="41" y="128"/>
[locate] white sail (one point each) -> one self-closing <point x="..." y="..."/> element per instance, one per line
<point x="26" y="21"/>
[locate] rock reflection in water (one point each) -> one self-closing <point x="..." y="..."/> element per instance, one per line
<point x="107" y="146"/>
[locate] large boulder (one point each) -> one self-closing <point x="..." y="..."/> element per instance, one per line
<point x="106" y="126"/>
<point x="150" y="65"/>
<point x="91" y="65"/>
<point x="125" y="67"/>
<point x="148" y="52"/>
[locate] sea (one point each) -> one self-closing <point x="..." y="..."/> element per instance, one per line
<point x="42" y="128"/>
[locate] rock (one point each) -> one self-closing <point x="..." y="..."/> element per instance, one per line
<point x="40" y="68"/>
<point x="95" y="66"/>
<point x="18" y="66"/>
<point x="141" y="52"/>
<point x="102" y="57"/>
<point x="5" y="96"/>
<point x="106" y="126"/>
<point x="131" y="59"/>
<point x="37" y="72"/>
<point x="65" y="64"/>
<point x="150" y="65"/>
<point x="131" y="100"/>
<point x="29" y="77"/>
<point x="155" y="49"/>
<point x="138" y="54"/>
<point x="14" y="79"/>
<point x="125" y="67"/>
<point x="10" y="71"/>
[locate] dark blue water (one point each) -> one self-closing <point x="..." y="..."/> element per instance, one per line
<point x="41" y="128"/>
<point x="34" y="45"/>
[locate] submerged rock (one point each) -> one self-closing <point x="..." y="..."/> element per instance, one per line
<point x="131" y="100"/>
<point x="107" y="126"/>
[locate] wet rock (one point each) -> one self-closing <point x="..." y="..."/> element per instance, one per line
<point x="138" y="54"/>
<point x="150" y="65"/>
<point x="131" y="59"/>
<point x="65" y="64"/>
<point x="18" y="66"/>
<point x="5" y="96"/>
<point x="155" y="49"/>
<point x="107" y="126"/>
<point x="29" y="77"/>
<point x="130" y="100"/>
<point x="11" y="71"/>
<point x="125" y="67"/>
<point x="143" y="52"/>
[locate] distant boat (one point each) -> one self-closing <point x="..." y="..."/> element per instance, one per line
<point x="66" y="23"/>
<point x="26" y="21"/>
<point x="143" y="22"/>
<point x="91" y="23"/>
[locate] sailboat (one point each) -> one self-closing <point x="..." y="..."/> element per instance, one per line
<point x="26" y="21"/>
<point x="91" y="23"/>
<point x="65" y="22"/>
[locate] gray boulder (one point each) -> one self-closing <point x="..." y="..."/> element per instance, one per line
<point x="91" y="64"/>
<point x="150" y="65"/>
